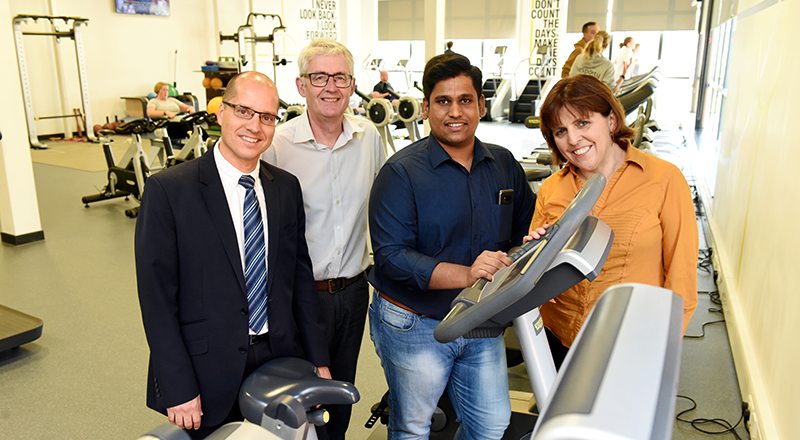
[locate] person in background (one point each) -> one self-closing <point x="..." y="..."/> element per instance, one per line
<point x="635" y="70"/>
<point x="646" y="202"/>
<point x="382" y="89"/>
<point x="164" y="106"/>
<point x="443" y="212"/>
<point x="589" y="30"/>
<point x="449" y="47"/>
<point x="592" y="62"/>
<point x="624" y="60"/>
<point x="223" y="271"/>
<point x="336" y="157"/>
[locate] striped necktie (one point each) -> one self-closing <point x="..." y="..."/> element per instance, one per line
<point x="255" y="272"/>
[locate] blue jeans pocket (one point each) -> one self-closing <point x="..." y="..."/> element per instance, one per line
<point x="396" y="318"/>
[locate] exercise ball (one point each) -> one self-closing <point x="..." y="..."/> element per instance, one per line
<point x="207" y="83"/>
<point x="172" y="90"/>
<point x="151" y="95"/>
<point x="216" y="83"/>
<point x="213" y="105"/>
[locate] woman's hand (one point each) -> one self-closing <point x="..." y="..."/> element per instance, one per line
<point x="535" y="234"/>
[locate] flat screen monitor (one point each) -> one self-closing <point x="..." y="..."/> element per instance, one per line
<point x="143" y="7"/>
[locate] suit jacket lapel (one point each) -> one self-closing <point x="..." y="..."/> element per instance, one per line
<point x="217" y="205"/>
<point x="272" y="200"/>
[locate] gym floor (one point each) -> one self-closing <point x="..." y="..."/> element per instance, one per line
<point x="85" y="377"/>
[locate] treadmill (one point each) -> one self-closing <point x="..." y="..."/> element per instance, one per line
<point x="619" y="379"/>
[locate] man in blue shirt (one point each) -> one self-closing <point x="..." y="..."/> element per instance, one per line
<point x="443" y="212"/>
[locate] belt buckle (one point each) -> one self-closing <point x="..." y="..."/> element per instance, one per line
<point x="335" y="285"/>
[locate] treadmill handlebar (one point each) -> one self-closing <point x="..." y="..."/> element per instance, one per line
<point x="469" y="310"/>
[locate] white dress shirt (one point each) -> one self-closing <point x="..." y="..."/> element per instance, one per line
<point x="336" y="182"/>
<point x="234" y="193"/>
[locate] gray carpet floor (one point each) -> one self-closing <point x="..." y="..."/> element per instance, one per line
<point x="85" y="377"/>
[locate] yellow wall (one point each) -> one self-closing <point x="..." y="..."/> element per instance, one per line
<point x="755" y="212"/>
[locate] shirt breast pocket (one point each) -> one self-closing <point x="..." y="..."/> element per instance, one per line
<point x="505" y="218"/>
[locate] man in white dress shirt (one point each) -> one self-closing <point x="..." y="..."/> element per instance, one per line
<point x="336" y="157"/>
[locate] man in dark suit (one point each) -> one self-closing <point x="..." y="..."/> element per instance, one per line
<point x="209" y="320"/>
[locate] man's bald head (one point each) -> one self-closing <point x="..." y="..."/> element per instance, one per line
<point x="246" y="78"/>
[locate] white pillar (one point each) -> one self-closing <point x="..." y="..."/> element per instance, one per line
<point x="434" y="37"/>
<point x="19" y="208"/>
<point x="358" y="20"/>
<point x="434" y="28"/>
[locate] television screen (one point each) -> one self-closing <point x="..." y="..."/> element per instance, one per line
<point x="146" y="7"/>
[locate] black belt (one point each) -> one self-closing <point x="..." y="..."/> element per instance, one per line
<point x="333" y="285"/>
<point x="255" y="339"/>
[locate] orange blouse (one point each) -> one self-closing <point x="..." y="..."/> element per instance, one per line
<point x="648" y="205"/>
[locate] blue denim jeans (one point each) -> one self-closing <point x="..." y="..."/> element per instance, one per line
<point x="419" y="369"/>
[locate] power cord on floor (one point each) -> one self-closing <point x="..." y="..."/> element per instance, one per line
<point x="704" y="261"/>
<point x="698" y="204"/>
<point x="714" y="297"/>
<point x="696" y="423"/>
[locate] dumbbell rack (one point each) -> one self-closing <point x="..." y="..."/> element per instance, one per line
<point x="75" y="34"/>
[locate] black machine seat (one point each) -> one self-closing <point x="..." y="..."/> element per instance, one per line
<point x="142" y="125"/>
<point x="293" y="377"/>
<point x="17" y="328"/>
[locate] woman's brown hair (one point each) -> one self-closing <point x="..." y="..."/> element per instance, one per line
<point x="582" y="95"/>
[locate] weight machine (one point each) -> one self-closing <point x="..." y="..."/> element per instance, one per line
<point x="75" y="34"/>
<point x="247" y="33"/>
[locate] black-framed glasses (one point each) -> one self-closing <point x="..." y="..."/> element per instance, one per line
<point x="320" y="79"/>
<point x="243" y="112"/>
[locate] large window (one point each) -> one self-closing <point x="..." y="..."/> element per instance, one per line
<point x="481" y="53"/>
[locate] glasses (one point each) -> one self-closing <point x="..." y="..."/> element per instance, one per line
<point x="320" y="79"/>
<point x="243" y="112"/>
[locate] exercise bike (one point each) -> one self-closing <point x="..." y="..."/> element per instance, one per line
<point x="196" y="145"/>
<point x="127" y="179"/>
<point x="279" y="401"/>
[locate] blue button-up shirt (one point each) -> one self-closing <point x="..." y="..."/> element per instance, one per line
<point x="425" y="208"/>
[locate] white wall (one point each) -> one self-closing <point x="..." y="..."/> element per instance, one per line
<point x="126" y="55"/>
<point x="754" y="213"/>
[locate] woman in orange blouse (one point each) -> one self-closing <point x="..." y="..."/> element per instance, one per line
<point x="646" y="202"/>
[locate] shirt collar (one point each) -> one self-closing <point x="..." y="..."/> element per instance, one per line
<point x="227" y="171"/>
<point x="303" y="132"/>
<point x="439" y="155"/>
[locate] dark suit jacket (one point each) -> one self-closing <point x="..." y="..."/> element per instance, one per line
<point x="192" y="291"/>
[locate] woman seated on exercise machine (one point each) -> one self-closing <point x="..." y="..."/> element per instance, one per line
<point x="163" y="105"/>
<point x="647" y="203"/>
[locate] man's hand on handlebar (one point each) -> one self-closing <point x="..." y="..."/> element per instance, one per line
<point x="324" y="372"/>
<point x="487" y="264"/>
<point x="535" y="234"/>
